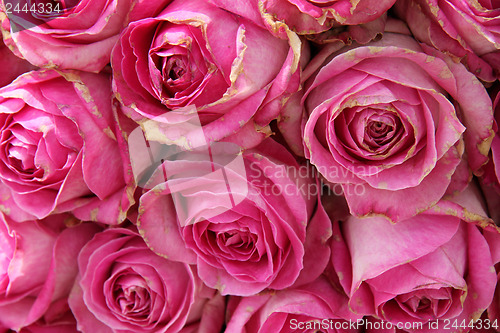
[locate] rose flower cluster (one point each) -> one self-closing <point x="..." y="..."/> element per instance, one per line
<point x="249" y="166"/>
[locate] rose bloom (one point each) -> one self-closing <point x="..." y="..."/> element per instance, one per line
<point x="315" y="307"/>
<point x="76" y="34"/>
<point x="11" y="66"/>
<point x="387" y="121"/>
<point x="246" y="231"/>
<point x="468" y="30"/>
<point x="446" y="256"/>
<point x="319" y="21"/>
<point x="125" y="287"/>
<point x="38" y="267"/>
<point x="61" y="148"/>
<point x="234" y="72"/>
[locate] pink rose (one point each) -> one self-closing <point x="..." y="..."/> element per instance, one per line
<point x="73" y="34"/>
<point x="61" y="148"/>
<point x="235" y="73"/>
<point x="11" y="66"/>
<point x="446" y="256"/>
<point x="125" y="287"/>
<point x="319" y="21"/>
<point x="246" y="231"/>
<point x="37" y="267"/>
<point x="387" y="121"/>
<point x="316" y="307"/>
<point x="468" y="30"/>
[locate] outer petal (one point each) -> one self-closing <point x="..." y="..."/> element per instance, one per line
<point x="475" y="111"/>
<point x="377" y="232"/>
<point x="11" y="66"/>
<point x="282" y="311"/>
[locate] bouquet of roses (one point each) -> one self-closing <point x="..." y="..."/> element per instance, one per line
<point x="249" y="166"/>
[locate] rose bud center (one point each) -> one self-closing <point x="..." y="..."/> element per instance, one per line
<point x="242" y="242"/>
<point x="21" y="152"/>
<point x="426" y="304"/>
<point x="132" y="297"/>
<point x="176" y="74"/>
